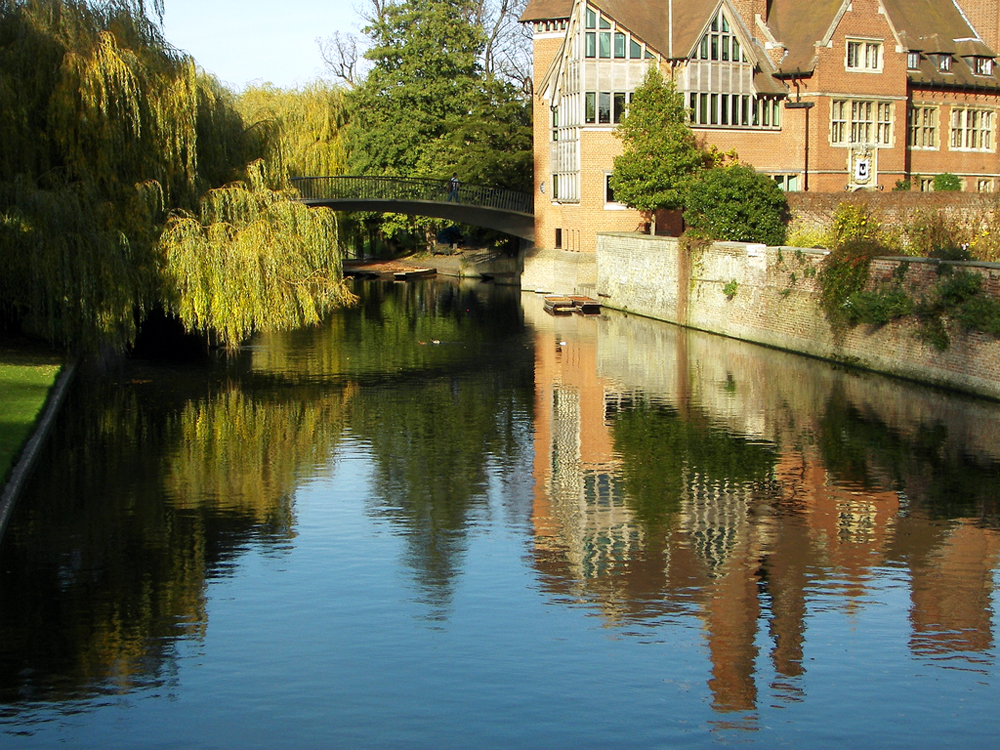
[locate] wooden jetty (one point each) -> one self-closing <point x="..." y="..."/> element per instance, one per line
<point x="413" y="273"/>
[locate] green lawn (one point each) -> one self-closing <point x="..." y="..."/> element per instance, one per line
<point x="27" y="372"/>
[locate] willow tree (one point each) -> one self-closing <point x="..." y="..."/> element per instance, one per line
<point x="252" y="260"/>
<point x="107" y="131"/>
<point x="309" y="123"/>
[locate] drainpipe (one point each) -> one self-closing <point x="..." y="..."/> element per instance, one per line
<point x="799" y="104"/>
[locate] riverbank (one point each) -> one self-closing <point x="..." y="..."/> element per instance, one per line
<point x="33" y="379"/>
<point x="771" y="296"/>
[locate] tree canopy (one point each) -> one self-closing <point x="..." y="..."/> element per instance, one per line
<point x="660" y="153"/>
<point x="108" y="135"/>
<point x="737" y="204"/>
<point x="428" y="107"/>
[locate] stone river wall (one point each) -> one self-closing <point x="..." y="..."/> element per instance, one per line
<point x="770" y="295"/>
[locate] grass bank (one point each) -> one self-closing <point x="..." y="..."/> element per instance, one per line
<point x="27" y="372"/>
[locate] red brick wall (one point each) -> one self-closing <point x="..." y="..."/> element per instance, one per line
<point x="894" y="209"/>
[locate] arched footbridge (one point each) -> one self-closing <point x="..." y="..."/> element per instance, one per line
<point x="477" y="205"/>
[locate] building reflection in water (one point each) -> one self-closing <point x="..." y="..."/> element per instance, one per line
<point x="681" y="476"/>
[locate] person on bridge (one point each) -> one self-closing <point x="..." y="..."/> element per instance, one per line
<point x="453" y="187"/>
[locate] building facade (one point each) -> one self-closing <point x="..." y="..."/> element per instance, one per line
<point x="825" y="96"/>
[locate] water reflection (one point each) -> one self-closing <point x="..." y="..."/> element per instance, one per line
<point x="678" y="473"/>
<point x="154" y="482"/>
<point x="160" y="478"/>
<point x="666" y="482"/>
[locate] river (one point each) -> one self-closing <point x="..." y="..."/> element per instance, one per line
<point x="447" y="519"/>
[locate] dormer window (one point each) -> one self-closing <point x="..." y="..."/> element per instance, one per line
<point x="944" y="63"/>
<point x="912" y="60"/>
<point x="983" y="66"/>
<point x="865" y="56"/>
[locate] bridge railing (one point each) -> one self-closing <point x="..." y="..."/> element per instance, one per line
<point x="409" y="189"/>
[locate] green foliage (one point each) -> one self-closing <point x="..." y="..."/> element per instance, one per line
<point x="798" y="236"/>
<point x="946" y="181"/>
<point x="958" y="287"/>
<point x="932" y="236"/>
<point x="660" y="154"/>
<point x="106" y="130"/>
<point x="845" y="273"/>
<point x="737" y="204"/>
<point x="902" y="186"/>
<point x="852" y="222"/>
<point x="731" y="287"/>
<point x="253" y="261"/>
<point x="428" y="109"/>
<point x="980" y="313"/>
<point x="309" y="123"/>
<point x="878" y="307"/>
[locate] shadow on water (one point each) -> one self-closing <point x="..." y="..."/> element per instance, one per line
<point x="654" y="477"/>
<point x="159" y="477"/>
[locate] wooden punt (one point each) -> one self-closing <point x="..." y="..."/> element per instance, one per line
<point x="558" y="305"/>
<point x="585" y="305"/>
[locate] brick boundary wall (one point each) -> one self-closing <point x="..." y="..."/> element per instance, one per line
<point x="776" y="303"/>
<point x="814" y="211"/>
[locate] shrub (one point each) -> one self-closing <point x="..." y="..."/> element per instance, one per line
<point x="946" y="181"/>
<point x="879" y="307"/>
<point x="855" y="223"/>
<point x="737" y="204"/>
<point x="808" y="237"/>
<point x="902" y="186"/>
<point x="931" y="236"/>
<point x="845" y="273"/>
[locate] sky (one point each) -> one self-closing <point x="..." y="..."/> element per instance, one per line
<point x="257" y="41"/>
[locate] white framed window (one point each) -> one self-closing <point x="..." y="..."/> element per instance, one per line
<point x="864" y="55"/>
<point x="912" y="60"/>
<point x="944" y="63"/>
<point x="926" y="184"/>
<point x="971" y="129"/>
<point x="923" y="127"/>
<point x="720" y="42"/>
<point x="860" y="121"/>
<point x="983" y="66"/>
<point x="787" y="182"/>
<point x="984" y="185"/>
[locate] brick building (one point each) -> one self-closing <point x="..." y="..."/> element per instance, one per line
<point x="826" y="96"/>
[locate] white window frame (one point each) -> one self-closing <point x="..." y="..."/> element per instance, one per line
<point x="982" y="66"/>
<point x="972" y="129"/>
<point x="923" y="127"/>
<point x="863" y="55"/>
<point x="861" y="121"/>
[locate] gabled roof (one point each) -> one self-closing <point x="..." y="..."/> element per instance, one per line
<point x="928" y="26"/>
<point x="650" y="20"/>
<point x="546" y="10"/>
<point x="800" y="26"/>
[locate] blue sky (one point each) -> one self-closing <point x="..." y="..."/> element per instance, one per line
<point x="251" y="41"/>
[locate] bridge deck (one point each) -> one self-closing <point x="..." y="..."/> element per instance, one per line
<point x="504" y="210"/>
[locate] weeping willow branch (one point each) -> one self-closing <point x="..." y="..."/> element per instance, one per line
<point x="107" y="134"/>
<point x="253" y="260"/>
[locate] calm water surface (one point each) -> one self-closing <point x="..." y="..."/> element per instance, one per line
<point x="446" y="519"/>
